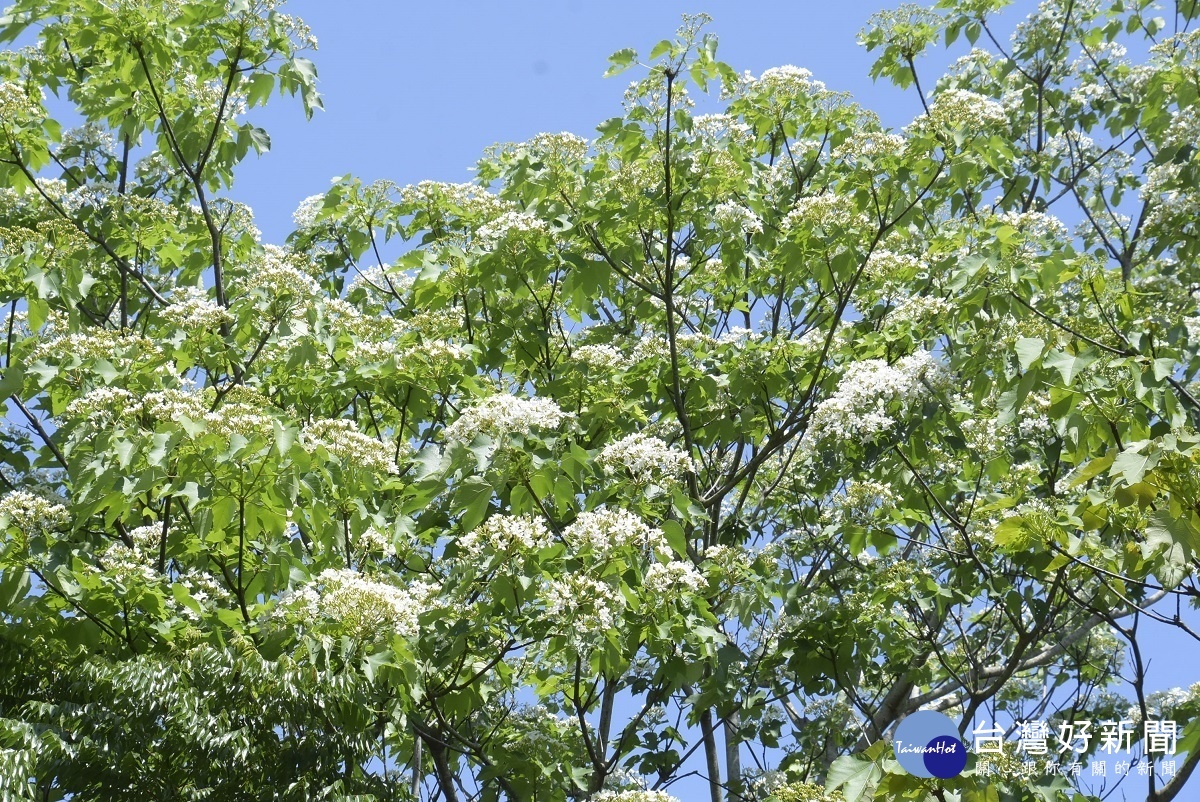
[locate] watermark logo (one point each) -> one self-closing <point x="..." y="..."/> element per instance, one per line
<point x="927" y="745"/>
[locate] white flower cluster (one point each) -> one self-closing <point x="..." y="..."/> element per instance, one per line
<point x="465" y="199"/>
<point x="605" y="530"/>
<point x="102" y="405"/>
<point x="305" y="216"/>
<point x="1166" y="703"/>
<point x="206" y="591"/>
<point x="31" y="513"/>
<point x="500" y="534"/>
<point x="984" y="437"/>
<point x="342" y="439"/>
<point x="278" y="276"/>
<point x="17" y="103"/>
<point x="920" y="310"/>
<point x="92" y="343"/>
<point x="584" y="606"/>
<point x="511" y="225"/>
<point x="89" y="196"/>
<point x="646" y="458"/>
<point x="563" y="147"/>
<point x="209" y="95"/>
<point x="238" y="218"/>
<point x="126" y="567"/>
<point x="859" y="501"/>
<point x="501" y="415"/>
<point x="1075" y="147"/>
<point x="666" y="581"/>
<point x="961" y="109"/>
<point x="788" y="82"/>
<point x="633" y="796"/>
<point x="1034" y="422"/>
<point x="738" y="218"/>
<point x="716" y="127"/>
<point x="381" y="282"/>
<point x="193" y="311"/>
<point x="975" y="61"/>
<point x="827" y="211"/>
<point x="242" y="413"/>
<point x="1035" y="225"/>
<point x="1170" y="198"/>
<point x="740" y="335"/>
<point x="374" y="543"/>
<point x="871" y="145"/>
<point x="860" y="407"/>
<point x="890" y="267"/>
<point x="171" y="405"/>
<point x="602" y="357"/>
<point x="367" y="609"/>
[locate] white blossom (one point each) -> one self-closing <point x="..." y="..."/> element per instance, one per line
<point x="666" y="581"/>
<point x="365" y="608"/>
<point x="102" y="405"/>
<point x="826" y="211"/>
<point x="602" y="356"/>
<point x="31" y="513"/>
<point x="305" y="216"/>
<point x="737" y="217"/>
<point x="501" y="415"/>
<point x="645" y="458"/>
<point x="789" y="80"/>
<point x="605" y="530"/>
<point x="511" y="224"/>
<point x="860" y="408"/>
<point x="632" y="796"/>
<point x="502" y="533"/>
<point x="871" y="145"/>
<point x="193" y="311"/>
<point x="342" y="439"/>
<point x="720" y="126"/>
<point x="278" y="276"/>
<point x="583" y="606"/>
<point x="961" y="109"/>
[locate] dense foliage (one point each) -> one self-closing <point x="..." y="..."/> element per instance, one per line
<point x="714" y="445"/>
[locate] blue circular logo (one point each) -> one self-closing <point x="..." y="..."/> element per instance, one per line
<point x="927" y="745"/>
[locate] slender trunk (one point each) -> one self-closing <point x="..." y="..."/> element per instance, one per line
<point x="733" y="754"/>
<point x="711" y="757"/>
<point x="416" y="769"/>
<point x="444" y="775"/>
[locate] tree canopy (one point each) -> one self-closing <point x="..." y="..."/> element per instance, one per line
<point x="713" y="445"/>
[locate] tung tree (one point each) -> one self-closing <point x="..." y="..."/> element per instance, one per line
<point x="716" y="444"/>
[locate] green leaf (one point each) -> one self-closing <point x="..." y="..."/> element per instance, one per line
<point x="1165" y="531"/>
<point x="1163" y="367"/>
<point x="1093" y="469"/>
<point x="1068" y="365"/>
<point x="621" y="61"/>
<point x="1132" y="466"/>
<point x="12" y="381"/>
<point x="988" y="793"/>
<point x="1029" y="350"/>
<point x="260" y="140"/>
<point x="660" y="49"/>
<point x="473" y="497"/>
<point x="1012" y="534"/>
<point x="285" y="437"/>
<point x="676" y="538"/>
<point x="853" y="775"/>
